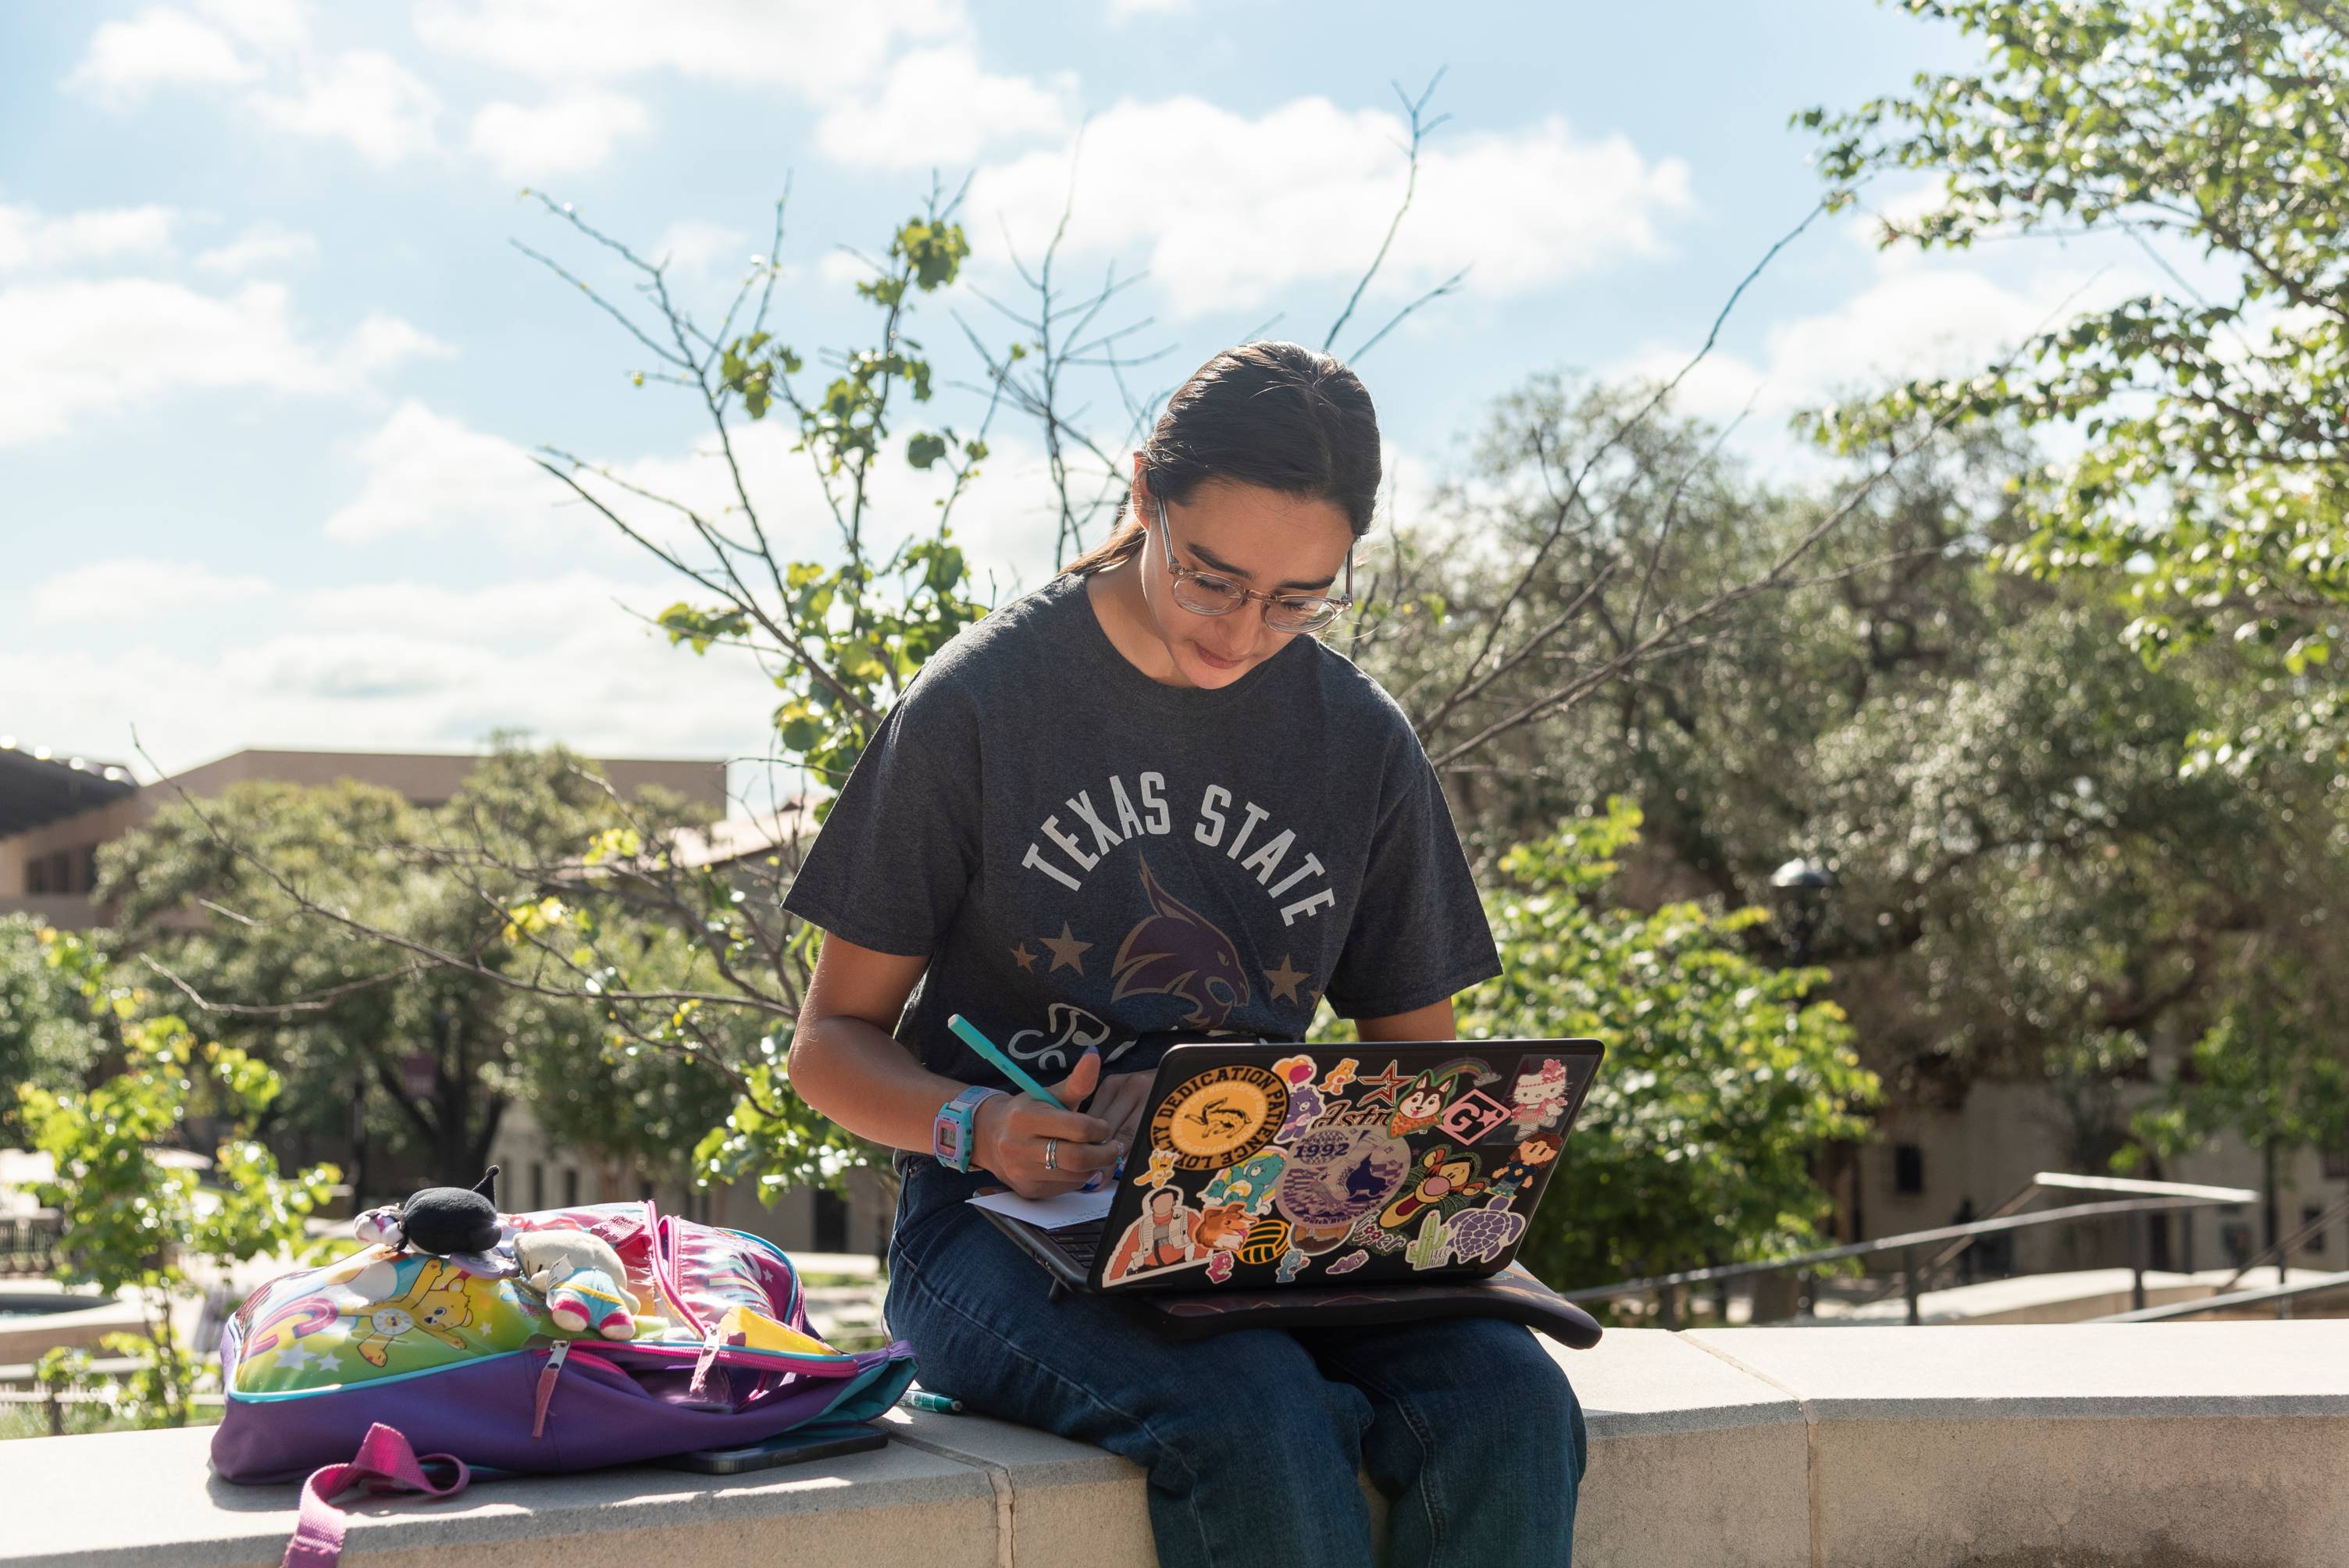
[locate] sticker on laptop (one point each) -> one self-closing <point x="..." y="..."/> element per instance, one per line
<point x="1165" y="1238"/>
<point x="1249" y="1183"/>
<point x="1445" y="1181"/>
<point x="1540" y="1095"/>
<point x="1472" y="1116"/>
<point x="1423" y="1099"/>
<point x="1533" y="1151"/>
<point x="1220" y="1117"/>
<point x="1335" y="1175"/>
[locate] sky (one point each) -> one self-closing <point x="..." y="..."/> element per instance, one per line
<point x="274" y="366"/>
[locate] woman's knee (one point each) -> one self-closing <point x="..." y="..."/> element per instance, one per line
<point x="1265" y="1409"/>
<point x="1486" y="1385"/>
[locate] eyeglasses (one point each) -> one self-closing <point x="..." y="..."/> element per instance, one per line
<point x="1213" y="593"/>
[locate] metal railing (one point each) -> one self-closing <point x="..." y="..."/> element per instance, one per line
<point x="28" y="1243"/>
<point x="2284" y="1246"/>
<point x="2283" y="1295"/>
<point x="2142" y="1200"/>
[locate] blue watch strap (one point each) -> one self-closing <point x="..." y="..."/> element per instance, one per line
<point x="953" y="1133"/>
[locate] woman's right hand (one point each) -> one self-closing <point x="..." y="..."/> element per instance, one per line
<point x="1009" y="1131"/>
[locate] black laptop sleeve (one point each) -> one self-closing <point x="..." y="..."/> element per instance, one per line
<point x="1512" y="1293"/>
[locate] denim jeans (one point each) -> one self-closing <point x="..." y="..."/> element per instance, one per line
<point x="1252" y="1439"/>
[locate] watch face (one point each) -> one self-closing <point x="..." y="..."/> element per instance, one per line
<point x="949" y="1136"/>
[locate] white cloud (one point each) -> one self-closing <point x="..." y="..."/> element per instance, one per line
<point x="424" y="473"/>
<point x="89" y="346"/>
<point x="107" y="593"/>
<point x="938" y="107"/>
<point x="1121" y="10"/>
<point x="1232" y="209"/>
<point x="1916" y="319"/>
<point x="362" y="97"/>
<point x="159" y="46"/>
<point x="259" y="245"/>
<point x="401" y="665"/>
<point x="815" y="46"/>
<point x="692" y="246"/>
<point x="267" y="24"/>
<point x="562" y="136"/>
<point x="29" y="242"/>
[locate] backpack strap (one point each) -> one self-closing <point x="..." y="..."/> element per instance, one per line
<point x="384" y="1463"/>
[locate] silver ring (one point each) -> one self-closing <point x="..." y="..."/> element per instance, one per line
<point x="1052" y="1154"/>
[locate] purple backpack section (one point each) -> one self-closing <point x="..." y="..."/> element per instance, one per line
<point x="470" y="1365"/>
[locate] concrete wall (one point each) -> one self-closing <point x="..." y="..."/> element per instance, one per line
<point x="2143" y="1446"/>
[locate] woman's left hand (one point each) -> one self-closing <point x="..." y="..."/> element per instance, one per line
<point x="1119" y="1101"/>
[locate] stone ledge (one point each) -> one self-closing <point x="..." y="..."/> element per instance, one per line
<point x="2121" y="1446"/>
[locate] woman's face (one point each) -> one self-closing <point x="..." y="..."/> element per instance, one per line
<point x="1260" y="539"/>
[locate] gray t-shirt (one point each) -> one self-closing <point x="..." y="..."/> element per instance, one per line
<point x="1089" y="857"/>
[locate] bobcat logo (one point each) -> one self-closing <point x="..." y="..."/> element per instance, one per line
<point x="1174" y="952"/>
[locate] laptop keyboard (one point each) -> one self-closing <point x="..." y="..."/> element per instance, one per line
<point x="1078" y="1244"/>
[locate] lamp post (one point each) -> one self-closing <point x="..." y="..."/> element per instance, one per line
<point x="1802" y="886"/>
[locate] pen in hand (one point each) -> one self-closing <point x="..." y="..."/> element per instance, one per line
<point x="967" y="1032"/>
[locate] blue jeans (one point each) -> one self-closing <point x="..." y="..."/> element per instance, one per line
<point x="1252" y="1439"/>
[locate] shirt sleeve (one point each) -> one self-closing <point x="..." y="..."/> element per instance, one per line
<point x="1419" y="934"/>
<point x="900" y="847"/>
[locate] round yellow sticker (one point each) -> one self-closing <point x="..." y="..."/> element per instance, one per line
<point x="1220" y="1117"/>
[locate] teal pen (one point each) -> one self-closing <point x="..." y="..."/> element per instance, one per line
<point x="986" y="1047"/>
<point x="923" y="1399"/>
<point x="968" y="1034"/>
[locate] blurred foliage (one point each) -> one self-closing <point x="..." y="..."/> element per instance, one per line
<point x="2203" y="449"/>
<point x="50" y="1033"/>
<point x="448" y="877"/>
<point x="2028" y="886"/>
<point x="1723" y="1078"/>
<point x="134" y="1222"/>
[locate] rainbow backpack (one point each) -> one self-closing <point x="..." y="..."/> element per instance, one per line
<point x="384" y="1355"/>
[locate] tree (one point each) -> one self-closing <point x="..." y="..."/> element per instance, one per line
<point x="132" y="1221"/>
<point x="400" y="1051"/>
<point x="2208" y="483"/>
<point x="48" y="1034"/>
<point x="1723" y="1078"/>
<point x="2269" y="1068"/>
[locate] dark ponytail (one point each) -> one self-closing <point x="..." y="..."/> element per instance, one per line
<point x="1277" y="415"/>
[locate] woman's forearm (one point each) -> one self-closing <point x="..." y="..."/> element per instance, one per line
<point x="855" y="1073"/>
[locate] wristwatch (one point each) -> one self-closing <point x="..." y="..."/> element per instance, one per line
<point x="951" y="1135"/>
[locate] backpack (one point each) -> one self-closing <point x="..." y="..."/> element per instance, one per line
<point x="469" y="1368"/>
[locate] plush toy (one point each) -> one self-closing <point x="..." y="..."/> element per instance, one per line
<point x="580" y="1275"/>
<point x="455" y="1222"/>
<point x="445" y="1221"/>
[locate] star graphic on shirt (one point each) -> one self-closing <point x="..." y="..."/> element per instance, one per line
<point x="1381" y="1085"/>
<point x="1066" y="949"/>
<point x="1024" y="959"/>
<point x="1284" y="980"/>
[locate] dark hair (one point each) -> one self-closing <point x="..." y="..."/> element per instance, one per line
<point x="1277" y="415"/>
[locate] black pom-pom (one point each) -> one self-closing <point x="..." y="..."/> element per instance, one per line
<point x="447" y="1220"/>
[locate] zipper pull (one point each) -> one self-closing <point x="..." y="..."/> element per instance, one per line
<point x="546" y="1377"/>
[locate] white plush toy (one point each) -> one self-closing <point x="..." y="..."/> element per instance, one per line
<point x="581" y="1278"/>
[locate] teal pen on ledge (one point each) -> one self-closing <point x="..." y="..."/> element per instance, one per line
<point x="923" y="1399"/>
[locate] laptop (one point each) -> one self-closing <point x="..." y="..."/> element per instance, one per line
<point x="1260" y="1165"/>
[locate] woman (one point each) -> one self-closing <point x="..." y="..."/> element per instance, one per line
<point x="1143" y="803"/>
